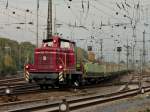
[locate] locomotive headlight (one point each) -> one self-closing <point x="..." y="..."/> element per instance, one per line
<point x="7" y="91"/>
<point x="54" y="41"/>
<point x="27" y="67"/>
<point x="60" y="66"/>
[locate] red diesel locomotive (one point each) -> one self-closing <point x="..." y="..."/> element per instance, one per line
<point x="54" y="64"/>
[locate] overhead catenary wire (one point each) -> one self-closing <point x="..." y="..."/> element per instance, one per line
<point x="91" y="5"/>
<point x="105" y="13"/>
<point x="22" y="10"/>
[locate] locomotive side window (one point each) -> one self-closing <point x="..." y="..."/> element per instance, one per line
<point x="64" y="44"/>
<point x="48" y="44"/>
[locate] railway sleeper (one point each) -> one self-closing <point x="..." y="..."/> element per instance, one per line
<point x="10" y="98"/>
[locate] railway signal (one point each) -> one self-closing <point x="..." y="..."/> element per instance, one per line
<point x="64" y="106"/>
<point x="119" y="49"/>
<point x="9" y="96"/>
<point x="7" y="91"/>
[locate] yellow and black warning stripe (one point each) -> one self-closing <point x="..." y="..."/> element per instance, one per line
<point x="26" y="75"/>
<point x="61" y="77"/>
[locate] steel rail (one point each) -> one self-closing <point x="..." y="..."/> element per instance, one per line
<point x="83" y="102"/>
<point x="20" y="89"/>
<point x="23" y="88"/>
<point x="11" y="80"/>
<point x="12" y="84"/>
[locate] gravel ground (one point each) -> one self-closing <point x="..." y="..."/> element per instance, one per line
<point x="58" y="95"/>
<point x="139" y="103"/>
<point x="61" y="94"/>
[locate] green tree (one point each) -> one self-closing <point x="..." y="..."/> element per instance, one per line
<point x="13" y="55"/>
<point x="9" y="65"/>
<point x="26" y="53"/>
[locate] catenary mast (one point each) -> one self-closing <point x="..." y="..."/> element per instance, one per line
<point x="49" y="20"/>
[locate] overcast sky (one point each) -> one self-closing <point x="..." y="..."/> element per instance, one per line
<point x="91" y="15"/>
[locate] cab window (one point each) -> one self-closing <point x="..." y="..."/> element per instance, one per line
<point x="48" y="44"/>
<point x="64" y="44"/>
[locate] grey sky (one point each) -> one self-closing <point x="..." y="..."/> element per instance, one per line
<point x="100" y="11"/>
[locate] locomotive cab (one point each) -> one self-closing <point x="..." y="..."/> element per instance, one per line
<point x="54" y="62"/>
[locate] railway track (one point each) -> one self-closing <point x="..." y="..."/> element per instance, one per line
<point x="17" y="86"/>
<point x="75" y="104"/>
<point x="20" y="89"/>
<point x="5" y="82"/>
<point x="11" y="79"/>
<point x="25" y="88"/>
<point x="19" y="75"/>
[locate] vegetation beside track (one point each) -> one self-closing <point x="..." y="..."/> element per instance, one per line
<point x="13" y="55"/>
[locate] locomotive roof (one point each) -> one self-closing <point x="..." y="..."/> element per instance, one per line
<point x="62" y="39"/>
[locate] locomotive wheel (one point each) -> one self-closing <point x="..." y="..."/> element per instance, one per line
<point x="41" y="86"/>
<point x="30" y="80"/>
<point x="52" y="86"/>
<point x="61" y="86"/>
<point x="46" y="87"/>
